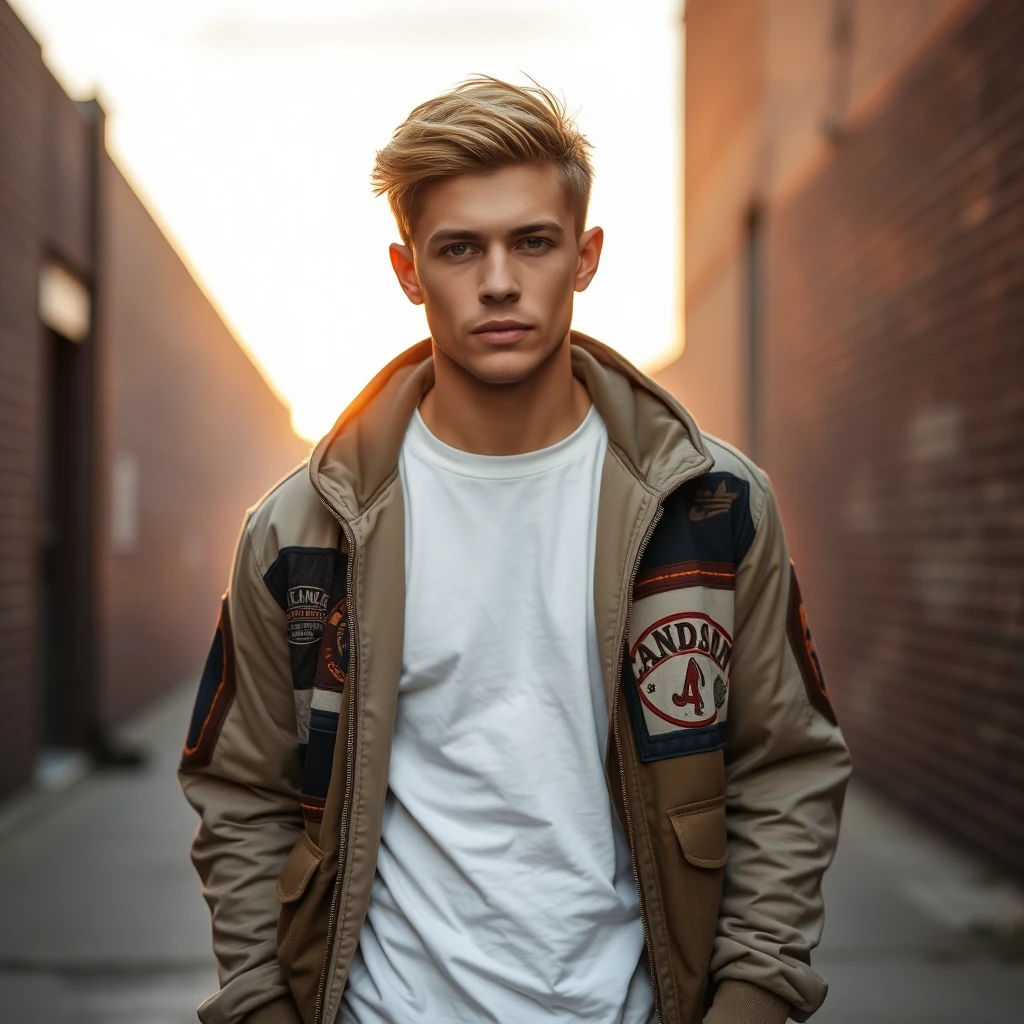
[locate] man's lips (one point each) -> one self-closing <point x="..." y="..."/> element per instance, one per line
<point x="502" y="332"/>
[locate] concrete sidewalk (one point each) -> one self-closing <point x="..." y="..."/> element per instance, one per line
<point x="102" y="921"/>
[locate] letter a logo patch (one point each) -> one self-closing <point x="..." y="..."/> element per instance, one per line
<point x="692" y="683"/>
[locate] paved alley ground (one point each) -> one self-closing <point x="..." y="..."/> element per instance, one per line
<point x="102" y="921"/>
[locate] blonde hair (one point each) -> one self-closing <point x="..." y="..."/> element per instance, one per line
<point x="482" y="124"/>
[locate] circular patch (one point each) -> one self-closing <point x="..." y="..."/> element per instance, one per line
<point x="334" y="649"/>
<point x="719" y="691"/>
<point x="681" y="667"/>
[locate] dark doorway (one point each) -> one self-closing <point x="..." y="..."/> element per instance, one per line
<point x="66" y="706"/>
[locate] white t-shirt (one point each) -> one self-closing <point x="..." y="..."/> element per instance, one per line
<point x="504" y="890"/>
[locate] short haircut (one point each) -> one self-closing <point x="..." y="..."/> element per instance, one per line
<point x="482" y="124"/>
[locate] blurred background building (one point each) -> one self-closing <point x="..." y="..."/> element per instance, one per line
<point x="854" y="190"/>
<point x="135" y="431"/>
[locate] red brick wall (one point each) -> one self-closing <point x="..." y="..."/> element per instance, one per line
<point x="66" y="206"/>
<point x="763" y="78"/>
<point x="894" y="424"/>
<point x="21" y="117"/>
<point x="174" y="392"/>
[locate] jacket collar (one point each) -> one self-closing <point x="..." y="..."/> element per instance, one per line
<point x="655" y="436"/>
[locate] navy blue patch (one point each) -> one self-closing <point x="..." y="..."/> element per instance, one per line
<point x="317" y="761"/>
<point x="296" y="566"/>
<point x="214" y="697"/>
<point x="330" y="673"/>
<point x="300" y="581"/>
<point x="323" y="731"/>
<point x="707" y="520"/>
<point x="671" y="744"/>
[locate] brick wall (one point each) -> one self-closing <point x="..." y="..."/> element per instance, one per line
<point x="894" y="415"/>
<point x="890" y="408"/>
<point x="177" y="401"/>
<point x="762" y="79"/>
<point x="66" y="182"/>
<point x="21" y="117"/>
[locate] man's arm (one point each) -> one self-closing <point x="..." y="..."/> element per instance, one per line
<point x="786" y="772"/>
<point x="240" y="771"/>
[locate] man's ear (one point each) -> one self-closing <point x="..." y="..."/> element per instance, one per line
<point x="405" y="271"/>
<point x="590" y="244"/>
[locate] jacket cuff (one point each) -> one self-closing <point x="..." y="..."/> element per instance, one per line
<point x="739" y="1002"/>
<point x="280" y="1011"/>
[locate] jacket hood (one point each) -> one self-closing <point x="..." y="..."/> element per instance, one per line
<point x="656" y="438"/>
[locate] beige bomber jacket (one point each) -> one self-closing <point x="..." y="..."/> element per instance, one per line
<point x="726" y="766"/>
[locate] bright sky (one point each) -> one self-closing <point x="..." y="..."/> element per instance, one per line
<point x="249" y="129"/>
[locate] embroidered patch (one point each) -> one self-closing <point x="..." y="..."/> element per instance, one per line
<point x="300" y="581"/>
<point x="216" y="692"/>
<point x="332" y="671"/>
<point x="708" y="503"/>
<point x="706" y="521"/>
<point x="305" y="611"/>
<point x="683" y="698"/>
<point x="806" y="654"/>
<point x="676" y="674"/>
<point x="326" y="700"/>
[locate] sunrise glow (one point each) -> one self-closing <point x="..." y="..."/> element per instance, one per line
<point x="249" y="129"/>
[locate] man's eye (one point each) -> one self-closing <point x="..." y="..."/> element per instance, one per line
<point x="534" y="243"/>
<point x="458" y="249"/>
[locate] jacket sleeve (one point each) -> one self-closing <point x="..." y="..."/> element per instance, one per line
<point x="240" y="771"/>
<point x="786" y="772"/>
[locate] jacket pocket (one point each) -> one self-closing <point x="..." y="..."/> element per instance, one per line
<point x="700" y="829"/>
<point x="293" y="924"/>
<point x="298" y="870"/>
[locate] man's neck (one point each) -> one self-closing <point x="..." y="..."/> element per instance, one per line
<point x="504" y="419"/>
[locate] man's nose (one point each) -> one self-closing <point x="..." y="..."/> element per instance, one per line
<point x="499" y="283"/>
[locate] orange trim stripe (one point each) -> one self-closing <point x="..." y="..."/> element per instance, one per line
<point x="206" y="721"/>
<point x="688" y="572"/>
<point x="678" y="575"/>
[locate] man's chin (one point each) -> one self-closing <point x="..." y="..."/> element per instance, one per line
<point x="505" y="368"/>
<point x="502" y="367"/>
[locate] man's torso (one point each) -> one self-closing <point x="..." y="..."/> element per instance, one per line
<point x="504" y="889"/>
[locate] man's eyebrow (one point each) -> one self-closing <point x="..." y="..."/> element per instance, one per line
<point x="551" y="226"/>
<point x="467" y="235"/>
<point x="454" y="234"/>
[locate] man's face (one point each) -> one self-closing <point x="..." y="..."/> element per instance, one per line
<point x="495" y="260"/>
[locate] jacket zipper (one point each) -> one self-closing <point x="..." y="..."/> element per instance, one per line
<point x="349" y="759"/>
<point x="615" y="732"/>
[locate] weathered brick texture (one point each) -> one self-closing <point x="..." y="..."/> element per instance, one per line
<point x="175" y="395"/>
<point x="21" y="106"/>
<point x="894" y="426"/>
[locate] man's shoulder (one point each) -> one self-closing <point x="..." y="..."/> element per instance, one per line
<point x="290" y="518"/>
<point x="732" y="465"/>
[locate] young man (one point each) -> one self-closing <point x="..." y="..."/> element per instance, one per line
<point x="512" y="712"/>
